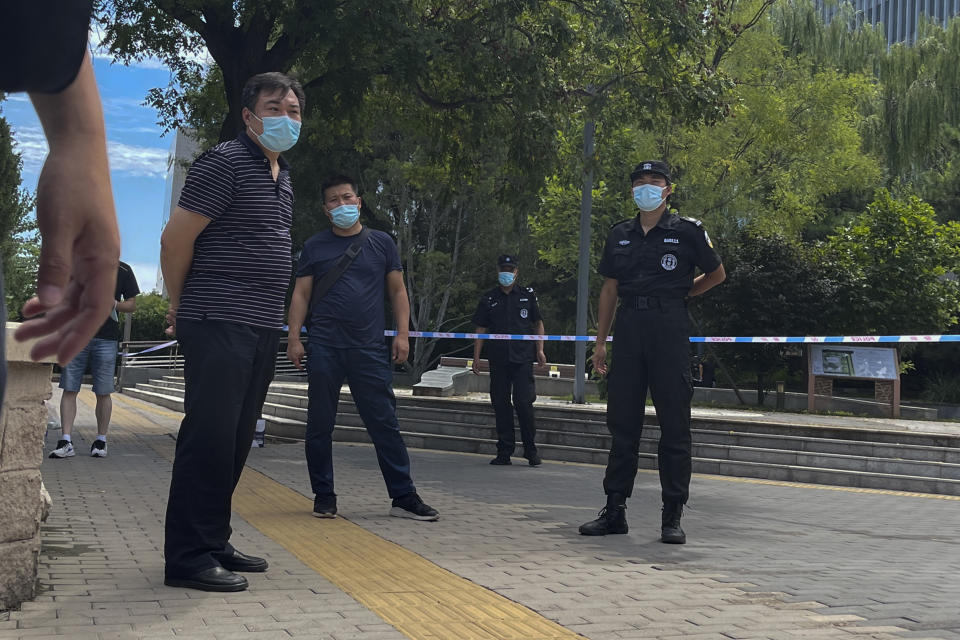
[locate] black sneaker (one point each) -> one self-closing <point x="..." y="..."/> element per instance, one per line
<point x="501" y="460"/>
<point x="98" y="449"/>
<point x="534" y="460"/>
<point x="325" y="506"/>
<point x="411" y="506"/>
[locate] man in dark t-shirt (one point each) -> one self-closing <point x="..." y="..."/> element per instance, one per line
<point x="345" y="341"/>
<point x="101" y="355"/>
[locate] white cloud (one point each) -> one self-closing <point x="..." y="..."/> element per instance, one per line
<point x="131" y="160"/>
<point x="148" y="162"/>
<point x="146" y="274"/>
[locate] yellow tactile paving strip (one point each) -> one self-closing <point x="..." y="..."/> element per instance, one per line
<point x="419" y="598"/>
<point x="416" y="596"/>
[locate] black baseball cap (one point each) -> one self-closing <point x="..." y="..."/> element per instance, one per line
<point x="651" y="166"/>
<point x="506" y="260"/>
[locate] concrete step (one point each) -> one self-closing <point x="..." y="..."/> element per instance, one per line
<point x="440" y="420"/>
<point x="701" y="463"/>
<point x="727" y="448"/>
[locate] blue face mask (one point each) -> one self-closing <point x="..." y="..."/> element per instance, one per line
<point x="279" y="132"/>
<point x="345" y="216"/>
<point x="506" y="278"/>
<point x="648" y="196"/>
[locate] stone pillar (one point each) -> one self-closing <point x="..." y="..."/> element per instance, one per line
<point x="22" y="426"/>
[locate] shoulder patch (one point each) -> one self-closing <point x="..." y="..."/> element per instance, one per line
<point x="693" y="220"/>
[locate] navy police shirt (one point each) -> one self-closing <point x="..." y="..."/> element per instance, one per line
<point x="515" y="312"/>
<point x="660" y="263"/>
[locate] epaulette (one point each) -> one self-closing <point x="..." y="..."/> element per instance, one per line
<point x="529" y="289"/>
<point x="617" y="224"/>
<point x="693" y="220"/>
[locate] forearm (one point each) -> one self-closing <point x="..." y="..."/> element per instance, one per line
<point x="127" y="306"/>
<point x="706" y="281"/>
<point x="401" y="311"/>
<point x="605" y="309"/>
<point x="540" y="331"/>
<point x="296" y="315"/>
<point x="478" y="343"/>
<point x="75" y="115"/>
<point x="175" y="261"/>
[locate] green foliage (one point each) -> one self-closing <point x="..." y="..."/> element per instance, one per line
<point x="148" y="318"/>
<point x="19" y="240"/>
<point x="900" y="269"/>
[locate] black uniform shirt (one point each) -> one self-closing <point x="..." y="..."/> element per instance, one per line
<point x="514" y="312"/>
<point x="662" y="262"/>
<point x="126" y="288"/>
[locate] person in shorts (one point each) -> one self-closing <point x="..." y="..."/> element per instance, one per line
<point x="101" y="356"/>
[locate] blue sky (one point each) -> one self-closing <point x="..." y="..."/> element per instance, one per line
<point x="138" y="156"/>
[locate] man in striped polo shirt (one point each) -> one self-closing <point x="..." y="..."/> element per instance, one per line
<point x="226" y="262"/>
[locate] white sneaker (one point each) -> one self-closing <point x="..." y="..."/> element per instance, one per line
<point x="98" y="449"/>
<point x="64" y="450"/>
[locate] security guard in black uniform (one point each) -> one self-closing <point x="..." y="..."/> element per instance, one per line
<point x="511" y="309"/>
<point x="648" y="263"/>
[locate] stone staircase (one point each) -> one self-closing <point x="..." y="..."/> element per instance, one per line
<point x="855" y="457"/>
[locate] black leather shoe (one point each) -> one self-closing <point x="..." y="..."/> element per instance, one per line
<point x="501" y="460"/>
<point x="670" y="532"/>
<point x="611" y="519"/>
<point x="534" y="460"/>
<point x="212" y="579"/>
<point x="242" y="562"/>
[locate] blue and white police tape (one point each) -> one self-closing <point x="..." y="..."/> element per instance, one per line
<point x="711" y="339"/>
<point x="156" y="348"/>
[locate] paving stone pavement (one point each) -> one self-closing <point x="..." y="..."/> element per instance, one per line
<point x="763" y="560"/>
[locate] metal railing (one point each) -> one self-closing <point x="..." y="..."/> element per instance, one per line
<point x="160" y="354"/>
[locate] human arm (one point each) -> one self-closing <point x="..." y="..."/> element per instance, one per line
<point x="77" y="221"/>
<point x="299" y="306"/>
<point x="541" y="356"/>
<point x="605" y="310"/>
<point x="706" y="281"/>
<point x="477" y="347"/>
<point x="129" y="305"/>
<point x="397" y="291"/>
<point x="176" y="256"/>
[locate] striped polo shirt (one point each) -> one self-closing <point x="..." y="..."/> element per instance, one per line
<point x="242" y="259"/>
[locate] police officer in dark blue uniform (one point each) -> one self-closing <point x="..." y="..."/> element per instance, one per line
<point x="648" y="264"/>
<point x="511" y="309"/>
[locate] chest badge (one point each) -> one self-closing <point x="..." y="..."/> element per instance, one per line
<point x="668" y="262"/>
<point x="623" y="243"/>
<point x="523" y="313"/>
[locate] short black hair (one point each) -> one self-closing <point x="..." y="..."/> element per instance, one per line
<point x="270" y="83"/>
<point x="336" y="180"/>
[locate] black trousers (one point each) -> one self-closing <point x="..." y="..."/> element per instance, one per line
<point x="651" y="350"/>
<point x="513" y="379"/>
<point x="228" y="369"/>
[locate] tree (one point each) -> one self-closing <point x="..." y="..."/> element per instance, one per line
<point x="19" y="240"/>
<point x="901" y="269"/>
<point x="775" y="286"/>
<point x="149" y="317"/>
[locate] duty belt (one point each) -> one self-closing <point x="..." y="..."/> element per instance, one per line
<point x="650" y="302"/>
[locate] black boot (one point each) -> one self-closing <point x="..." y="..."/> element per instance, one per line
<point x="612" y="518"/>
<point x="670" y="531"/>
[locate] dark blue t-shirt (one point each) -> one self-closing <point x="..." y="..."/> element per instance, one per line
<point x="351" y="314"/>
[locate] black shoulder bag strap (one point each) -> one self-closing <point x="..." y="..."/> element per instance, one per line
<point x="321" y="286"/>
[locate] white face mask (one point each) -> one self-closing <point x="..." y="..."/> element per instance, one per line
<point x="648" y="196"/>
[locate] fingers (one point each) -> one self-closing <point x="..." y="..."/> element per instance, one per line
<point x="53" y="274"/>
